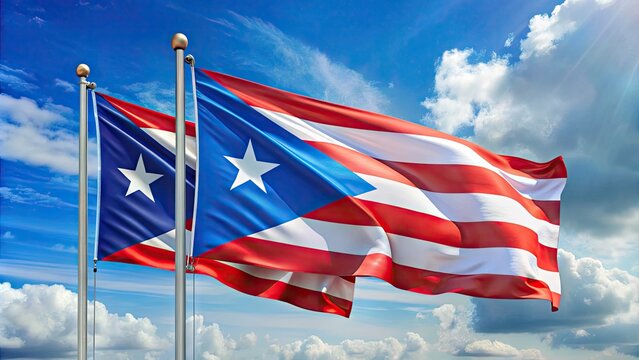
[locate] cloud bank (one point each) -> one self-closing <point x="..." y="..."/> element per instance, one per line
<point x="413" y="346"/>
<point x="39" y="321"/>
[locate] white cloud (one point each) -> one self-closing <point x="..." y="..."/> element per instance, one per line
<point x="65" y="249"/>
<point x="509" y="40"/>
<point x="462" y="89"/>
<point x="39" y="321"/>
<point x="413" y="346"/>
<point x="154" y="95"/>
<point x="572" y="91"/>
<point x="598" y="306"/>
<point x="211" y="343"/>
<point x="25" y="195"/>
<point x="16" y="79"/>
<point x="65" y="85"/>
<point x="37" y="20"/>
<point x="546" y="30"/>
<point x="457" y="338"/>
<point x="35" y="134"/>
<point x="7" y="234"/>
<point x="291" y="63"/>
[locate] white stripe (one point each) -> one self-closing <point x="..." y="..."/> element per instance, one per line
<point x="421" y="254"/>
<point x="328" y="236"/>
<point x="166" y="241"/>
<point x="452" y="260"/>
<point x="329" y="284"/>
<point x="167" y="139"/>
<point x="462" y="207"/>
<point x="418" y="149"/>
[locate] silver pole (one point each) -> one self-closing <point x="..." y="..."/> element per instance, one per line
<point x="82" y="71"/>
<point x="179" y="43"/>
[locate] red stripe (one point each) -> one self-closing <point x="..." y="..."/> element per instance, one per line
<point x="147" y="118"/>
<point x="271" y="289"/>
<point x="332" y="114"/>
<point x="550" y="208"/>
<point x="293" y="258"/>
<point x="400" y="221"/>
<point x="141" y="254"/>
<point x="437" y="178"/>
<point x="486" y="286"/>
<point x="275" y="255"/>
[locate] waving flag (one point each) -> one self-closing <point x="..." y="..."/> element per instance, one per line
<point x="297" y="184"/>
<point x="136" y="222"/>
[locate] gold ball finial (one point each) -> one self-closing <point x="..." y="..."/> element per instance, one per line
<point x="179" y="41"/>
<point x="82" y="70"/>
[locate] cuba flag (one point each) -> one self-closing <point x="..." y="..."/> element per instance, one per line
<point x="297" y="184"/>
<point x="136" y="222"/>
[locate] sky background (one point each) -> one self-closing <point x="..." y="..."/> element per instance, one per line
<point x="532" y="79"/>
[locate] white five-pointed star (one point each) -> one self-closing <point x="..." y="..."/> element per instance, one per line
<point x="250" y="168"/>
<point x="140" y="179"/>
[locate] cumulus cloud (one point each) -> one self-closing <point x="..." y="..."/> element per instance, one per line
<point x="39" y="321"/>
<point x="572" y="91"/>
<point x="546" y="30"/>
<point x="36" y="135"/>
<point x="456" y="337"/>
<point x="7" y="234"/>
<point x="212" y="343"/>
<point x="413" y="346"/>
<point x="597" y="306"/>
<point x="293" y="64"/>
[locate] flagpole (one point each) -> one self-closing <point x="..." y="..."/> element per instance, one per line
<point x="82" y="71"/>
<point x="179" y="43"/>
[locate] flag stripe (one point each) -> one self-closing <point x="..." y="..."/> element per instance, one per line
<point x="147" y="118"/>
<point x="403" y="276"/>
<point x="400" y="221"/>
<point x="329" y="241"/>
<point x="167" y="139"/>
<point x="265" y="97"/>
<point x="459" y="207"/>
<point x="274" y="289"/>
<point x="304" y="294"/>
<point x="391" y="146"/>
<point x="336" y="286"/>
<point x="439" y="178"/>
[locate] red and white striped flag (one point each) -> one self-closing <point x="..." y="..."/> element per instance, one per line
<point x="445" y="215"/>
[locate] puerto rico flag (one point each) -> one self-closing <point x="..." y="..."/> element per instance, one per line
<point x="136" y="222"/>
<point x="292" y="183"/>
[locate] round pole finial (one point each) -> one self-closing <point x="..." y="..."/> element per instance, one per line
<point x="82" y="70"/>
<point x="179" y="41"/>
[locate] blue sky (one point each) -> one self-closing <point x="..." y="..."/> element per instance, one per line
<point x="532" y="79"/>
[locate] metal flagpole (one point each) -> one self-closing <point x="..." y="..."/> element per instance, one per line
<point x="179" y="43"/>
<point x="82" y="71"/>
